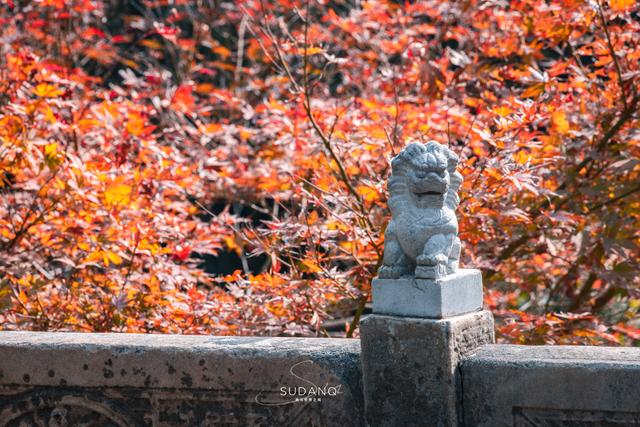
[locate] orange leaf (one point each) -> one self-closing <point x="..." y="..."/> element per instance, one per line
<point x="502" y="111"/>
<point x="212" y="127"/>
<point x="621" y="5"/>
<point x="222" y="51"/>
<point x="22" y="296"/>
<point x="534" y="91"/>
<point x="559" y="122"/>
<point x="521" y="157"/>
<point x="370" y="194"/>
<point x="135" y="124"/>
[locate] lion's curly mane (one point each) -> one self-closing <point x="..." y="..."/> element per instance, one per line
<point x="398" y="187"/>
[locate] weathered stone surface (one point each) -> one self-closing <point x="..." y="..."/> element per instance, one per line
<point x="508" y="385"/>
<point x="61" y="379"/>
<point x="421" y="238"/>
<point x="410" y="366"/>
<point x="454" y="294"/>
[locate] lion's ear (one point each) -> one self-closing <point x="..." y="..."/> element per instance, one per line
<point x="413" y="149"/>
<point x="452" y="160"/>
<point x="396" y="163"/>
<point x="399" y="162"/>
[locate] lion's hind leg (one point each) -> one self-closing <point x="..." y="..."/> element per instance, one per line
<point x="395" y="263"/>
<point x="454" y="256"/>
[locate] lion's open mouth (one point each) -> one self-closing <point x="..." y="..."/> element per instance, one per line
<point x="429" y="193"/>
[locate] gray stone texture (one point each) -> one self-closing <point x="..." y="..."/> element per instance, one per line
<point x="421" y="239"/>
<point x="508" y="385"/>
<point x="59" y="379"/>
<point x="454" y="294"/>
<point x="410" y="366"/>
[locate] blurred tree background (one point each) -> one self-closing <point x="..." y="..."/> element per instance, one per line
<point x="219" y="166"/>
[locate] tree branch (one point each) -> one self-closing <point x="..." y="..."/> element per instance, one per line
<point x="612" y="52"/>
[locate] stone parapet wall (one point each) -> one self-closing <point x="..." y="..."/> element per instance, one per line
<point x="67" y="379"/>
<point x="510" y="385"/>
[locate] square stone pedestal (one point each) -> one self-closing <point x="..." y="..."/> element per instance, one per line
<point x="452" y="295"/>
<point x="410" y="367"/>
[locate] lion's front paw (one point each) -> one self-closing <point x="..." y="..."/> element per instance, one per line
<point x="391" y="272"/>
<point x="431" y="259"/>
<point x="431" y="271"/>
<point x="388" y="272"/>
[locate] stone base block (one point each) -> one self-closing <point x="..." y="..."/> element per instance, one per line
<point x="410" y="367"/>
<point x="452" y="295"/>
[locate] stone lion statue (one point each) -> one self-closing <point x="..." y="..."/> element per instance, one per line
<point x="422" y="236"/>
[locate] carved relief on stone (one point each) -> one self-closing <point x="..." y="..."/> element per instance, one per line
<point x="421" y="239"/>
<point x="52" y="409"/>
<point x="553" y="417"/>
<point x="132" y="407"/>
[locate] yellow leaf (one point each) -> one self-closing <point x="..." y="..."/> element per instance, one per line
<point x="310" y="266"/>
<point x="48" y="114"/>
<point x="113" y="257"/>
<point x="151" y="247"/>
<point x="231" y="244"/>
<point x="521" y="157"/>
<point x="311" y="50"/>
<point x="502" y="111"/>
<point x="93" y="256"/>
<point x="348" y="245"/>
<point x="372" y="105"/>
<point x="339" y="135"/>
<point x="50" y="150"/>
<point x="559" y="122"/>
<point x="118" y="194"/>
<point x="51" y="154"/>
<point x="45" y="90"/>
<point x="621" y="5"/>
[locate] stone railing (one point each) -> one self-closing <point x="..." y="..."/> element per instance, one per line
<point x="509" y="385"/>
<point x="417" y="372"/>
<point x="425" y="357"/>
<point x="75" y="379"/>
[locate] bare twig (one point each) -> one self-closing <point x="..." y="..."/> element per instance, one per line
<point x="615" y="199"/>
<point x="240" y="52"/>
<point x="612" y="52"/>
<point x="133" y="256"/>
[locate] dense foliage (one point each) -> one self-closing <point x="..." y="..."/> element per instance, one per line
<point x="147" y="147"/>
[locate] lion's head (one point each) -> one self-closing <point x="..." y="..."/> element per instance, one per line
<point x="423" y="170"/>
